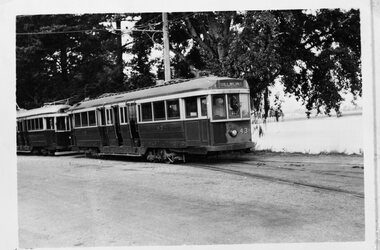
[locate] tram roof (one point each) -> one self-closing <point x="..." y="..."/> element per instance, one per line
<point x="202" y="83"/>
<point x="48" y="109"/>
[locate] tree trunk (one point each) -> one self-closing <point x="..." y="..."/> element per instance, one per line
<point x="266" y="102"/>
<point x="64" y="64"/>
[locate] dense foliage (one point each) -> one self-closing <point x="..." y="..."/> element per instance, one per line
<point x="316" y="54"/>
<point x="56" y="59"/>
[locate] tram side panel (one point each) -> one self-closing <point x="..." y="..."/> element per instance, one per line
<point x="42" y="140"/>
<point x="167" y="135"/>
<point x="188" y="136"/>
<point x="104" y="139"/>
<point x="87" y="138"/>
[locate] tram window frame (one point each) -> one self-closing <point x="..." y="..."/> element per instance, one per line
<point x="109" y="116"/>
<point x="19" y="126"/>
<point x="203" y="106"/>
<point x="33" y="124"/>
<point x="146" y="112"/>
<point x="159" y="109"/>
<point x="245" y="106"/>
<point x="38" y="123"/>
<point x="84" y="119"/>
<point x="77" y="118"/>
<point x="49" y="123"/>
<point x="59" y="120"/>
<point x="214" y="107"/>
<point x="91" y="118"/>
<point x="189" y="114"/>
<point x="231" y="109"/>
<point x="123" y="115"/>
<point x="170" y="112"/>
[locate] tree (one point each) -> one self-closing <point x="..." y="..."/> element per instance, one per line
<point x="321" y="57"/>
<point x="59" y="56"/>
<point x="141" y="75"/>
<point x="309" y="51"/>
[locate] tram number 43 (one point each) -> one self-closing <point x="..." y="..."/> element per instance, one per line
<point x="243" y="130"/>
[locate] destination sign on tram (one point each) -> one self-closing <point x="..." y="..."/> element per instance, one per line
<point x="230" y="84"/>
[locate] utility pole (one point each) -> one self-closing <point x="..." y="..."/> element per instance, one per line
<point x="165" y="30"/>
<point x="120" y="76"/>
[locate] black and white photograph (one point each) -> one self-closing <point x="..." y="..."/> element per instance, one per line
<point x="133" y="124"/>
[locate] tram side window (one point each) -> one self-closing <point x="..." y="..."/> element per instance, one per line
<point x="159" y="110"/>
<point x="50" y="123"/>
<point x="91" y="118"/>
<point x="191" y="107"/>
<point x="172" y="108"/>
<point x="19" y="126"/>
<point x="61" y="123"/>
<point x="219" y="107"/>
<point x="203" y="106"/>
<point x="123" y="115"/>
<point x="40" y="124"/>
<point x="146" y="111"/>
<point x="84" y="117"/>
<point x="33" y="124"/>
<point x="244" y="102"/>
<point x="233" y="106"/>
<point x="77" y="120"/>
<point x="109" y="118"/>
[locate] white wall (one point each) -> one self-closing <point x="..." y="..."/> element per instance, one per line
<point x="317" y="135"/>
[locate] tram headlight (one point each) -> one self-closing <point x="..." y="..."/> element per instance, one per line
<point x="233" y="132"/>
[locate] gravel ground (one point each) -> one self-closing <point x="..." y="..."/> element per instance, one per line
<point x="256" y="198"/>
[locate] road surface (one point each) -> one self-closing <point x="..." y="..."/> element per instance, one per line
<point x="254" y="198"/>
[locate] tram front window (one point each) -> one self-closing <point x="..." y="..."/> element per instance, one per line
<point x="219" y="107"/>
<point x="233" y="106"/>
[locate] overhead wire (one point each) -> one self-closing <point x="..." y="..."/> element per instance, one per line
<point x="144" y="27"/>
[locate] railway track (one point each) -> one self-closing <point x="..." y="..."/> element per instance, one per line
<point x="300" y="164"/>
<point x="272" y="178"/>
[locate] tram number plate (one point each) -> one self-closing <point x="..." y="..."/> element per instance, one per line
<point x="243" y="131"/>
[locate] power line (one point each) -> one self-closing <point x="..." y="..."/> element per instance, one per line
<point x="139" y="27"/>
<point x="124" y="31"/>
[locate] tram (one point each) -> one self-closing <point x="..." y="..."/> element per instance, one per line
<point x="43" y="130"/>
<point x="167" y="122"/>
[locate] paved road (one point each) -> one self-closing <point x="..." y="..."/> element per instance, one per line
<point x="266" y="197"/>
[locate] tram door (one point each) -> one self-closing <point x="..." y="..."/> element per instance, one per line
<point x="102" y="126"/>
<point x="117" y="125"/>
<point x="72" y="134"/>
<point x="133" y="128"/>
<point x="24" y="133"/>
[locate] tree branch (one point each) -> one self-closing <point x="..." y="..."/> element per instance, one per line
<point x="193" y="70"/>
<point x="197" y="38"/>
